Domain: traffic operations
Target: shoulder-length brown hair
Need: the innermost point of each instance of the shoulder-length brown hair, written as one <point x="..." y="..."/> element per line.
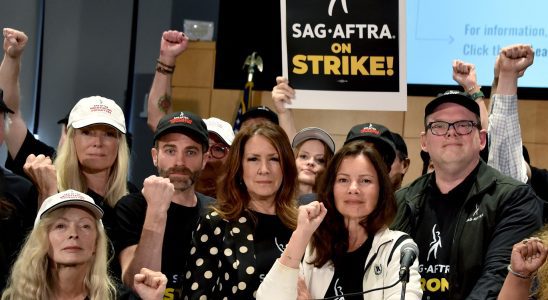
<point x="330" y="241"/>
<point x="232" y="195"/>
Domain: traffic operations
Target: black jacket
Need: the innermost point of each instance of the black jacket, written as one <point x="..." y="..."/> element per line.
<point x="498" y="212"/>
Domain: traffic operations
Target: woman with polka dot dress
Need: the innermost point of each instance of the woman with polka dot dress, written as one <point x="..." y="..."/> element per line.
<point x="236" y="244"/>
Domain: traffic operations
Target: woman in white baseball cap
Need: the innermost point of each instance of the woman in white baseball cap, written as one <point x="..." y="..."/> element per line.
<point x="65" y="255"/>
<point x="95" y="155"/>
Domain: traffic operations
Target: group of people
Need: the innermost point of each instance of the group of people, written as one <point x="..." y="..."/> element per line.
<point x="270" y="212"/>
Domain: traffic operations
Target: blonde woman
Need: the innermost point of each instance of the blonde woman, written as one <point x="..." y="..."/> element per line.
<point x="65" y="255"/>
<point x="93" y="159"/>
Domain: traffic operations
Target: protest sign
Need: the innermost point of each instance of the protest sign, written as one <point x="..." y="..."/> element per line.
<point x="345" y="54"/>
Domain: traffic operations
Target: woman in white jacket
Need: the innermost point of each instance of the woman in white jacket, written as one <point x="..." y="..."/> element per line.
<point x="351" y="249"/>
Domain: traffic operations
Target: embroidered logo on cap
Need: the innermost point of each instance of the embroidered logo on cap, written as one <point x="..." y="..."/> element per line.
<point x="100" y="108"/>
<point x="71" y="196"/>
<point x="451" y="92"/>
<point x="181" y="119"/>
<point x="370" y="129"/>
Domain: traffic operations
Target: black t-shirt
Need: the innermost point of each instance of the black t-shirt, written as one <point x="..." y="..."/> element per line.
<point x="435" y="231"/>
<point x="110" y="224"/>
<point x="348" y="277"/>
<point x="181" y="223"/>
<point x="30" y="146"/>
<point x="270" y="239"/>
<point x="19" y="199"/>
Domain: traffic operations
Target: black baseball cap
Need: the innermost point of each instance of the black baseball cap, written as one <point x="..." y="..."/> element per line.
<point x="3" y="106"/>
<point x="185" y="123"/>
<point x="399" y="143"/>
<point x="376" y="134"/>
<point x="456" y="97"/>
<point x="260" y="111"/>
<point x="64" y="120"/>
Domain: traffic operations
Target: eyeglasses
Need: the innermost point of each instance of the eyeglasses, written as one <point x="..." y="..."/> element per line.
<point x="463" y="127"/>
<point x="218" y="151"/>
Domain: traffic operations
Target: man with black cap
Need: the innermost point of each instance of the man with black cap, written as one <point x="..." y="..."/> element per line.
<point x="465" y="216"/>
<point x="156" y="226"/>
<point x="172" y="44"/>
<point x="401" y="162"/>
<point x="258" y="114"/>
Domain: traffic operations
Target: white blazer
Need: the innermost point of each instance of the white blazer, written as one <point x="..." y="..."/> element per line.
<point x="281" y="281"/>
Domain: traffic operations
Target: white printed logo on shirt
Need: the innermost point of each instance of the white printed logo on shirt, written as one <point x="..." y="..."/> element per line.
<point x="435" y="244"/>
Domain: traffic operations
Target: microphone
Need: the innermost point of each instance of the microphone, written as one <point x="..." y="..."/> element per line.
<point x="409" y="253"/>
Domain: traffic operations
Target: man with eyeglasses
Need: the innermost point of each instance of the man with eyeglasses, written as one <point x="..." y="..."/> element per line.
<point x="465" y="216"/>
<point x="221" y="136"/>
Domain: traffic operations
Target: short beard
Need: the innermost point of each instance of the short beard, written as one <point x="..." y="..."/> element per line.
<point x="180" y="184"/>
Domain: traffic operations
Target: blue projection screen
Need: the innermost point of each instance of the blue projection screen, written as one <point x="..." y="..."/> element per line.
<point x="439" y="31"/>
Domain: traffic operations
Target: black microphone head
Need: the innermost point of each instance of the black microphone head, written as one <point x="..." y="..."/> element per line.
<point x="409" y="252"/>
<point x="410" y="247"/>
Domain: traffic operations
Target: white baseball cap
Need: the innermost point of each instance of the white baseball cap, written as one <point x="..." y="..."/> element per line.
<point x="66" y="198"/>
<point x="221" y="128"/>
<point x="313" y="133"/>
<point x="97" y="110"/>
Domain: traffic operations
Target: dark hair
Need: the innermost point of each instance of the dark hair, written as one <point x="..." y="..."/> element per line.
<point x="330" y="241"/>
<point x="327" y="156"/>
<point x="425" y="157"/>
<point x="401" y="147"/>
<point x="232" y="195"/>
<point x="525" y="154"/>
<point x="7" y="209"/>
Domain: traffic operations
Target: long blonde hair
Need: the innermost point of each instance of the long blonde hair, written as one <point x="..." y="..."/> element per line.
<point x="542" y="274"/>
<point x="69" y="175"/>
<point x="31" y="274"/>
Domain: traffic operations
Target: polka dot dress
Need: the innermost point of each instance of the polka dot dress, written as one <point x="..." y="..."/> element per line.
<point x="222" y="262"/>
